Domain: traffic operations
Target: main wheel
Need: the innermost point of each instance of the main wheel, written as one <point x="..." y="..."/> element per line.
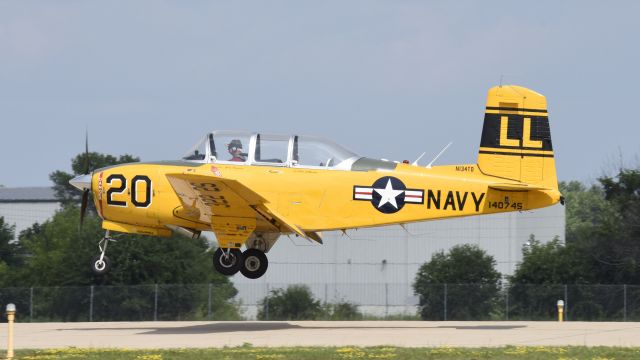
<point x="227" y="265"/>
<point x="254" y="264"/>
<point x="100" y="267"/>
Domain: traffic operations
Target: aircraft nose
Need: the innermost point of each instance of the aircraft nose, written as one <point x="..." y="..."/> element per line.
<point x="81" y="182"/>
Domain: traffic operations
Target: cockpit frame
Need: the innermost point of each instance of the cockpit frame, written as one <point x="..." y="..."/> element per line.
<point x="214" y="151"/>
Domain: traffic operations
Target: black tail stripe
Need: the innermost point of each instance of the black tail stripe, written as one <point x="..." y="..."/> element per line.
<point x="514" y="154"/>
<point x="514" y="109"/>
<point x="516" y="148"/>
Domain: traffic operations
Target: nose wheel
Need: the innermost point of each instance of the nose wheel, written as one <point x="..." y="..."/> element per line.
<point x="101" y="264"/>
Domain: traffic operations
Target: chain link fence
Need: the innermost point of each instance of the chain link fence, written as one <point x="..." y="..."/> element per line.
<point x="372" y="301"/>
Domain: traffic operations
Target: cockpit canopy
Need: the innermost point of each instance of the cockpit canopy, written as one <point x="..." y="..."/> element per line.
<point x="239" y="147"/>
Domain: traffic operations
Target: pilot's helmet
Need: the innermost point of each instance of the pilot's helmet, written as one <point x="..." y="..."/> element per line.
<point x="235" y="143"/>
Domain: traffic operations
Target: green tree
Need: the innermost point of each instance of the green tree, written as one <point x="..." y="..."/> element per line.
<point x="538" y="281"/>
<point x="342" y="310"/>
<point x="586" y="209"/>
<point x="10" y="253"/>
<point x="296" y="302"/>
<point x="552" y="263"/>
<point x="11" y="259"/>
<point x="602" y="247"/>
<point x="616" y="246"/>
<point x="472" y="284"/>
<point x="602" y="226"/>
<point x="592" y="237"/>
<point x="59" y="255"/>
<point x="66" y="193"/>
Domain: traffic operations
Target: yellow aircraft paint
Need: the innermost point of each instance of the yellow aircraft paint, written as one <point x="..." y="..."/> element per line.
<point x="515" y="171"/>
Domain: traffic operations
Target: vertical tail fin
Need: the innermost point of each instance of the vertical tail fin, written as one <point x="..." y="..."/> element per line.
<point x="516" y="139"/>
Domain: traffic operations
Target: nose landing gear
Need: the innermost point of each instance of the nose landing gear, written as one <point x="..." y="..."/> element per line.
<point x="101" y="264"/>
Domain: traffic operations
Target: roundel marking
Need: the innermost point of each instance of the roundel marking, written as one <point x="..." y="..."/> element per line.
<point x="388" y="194"/>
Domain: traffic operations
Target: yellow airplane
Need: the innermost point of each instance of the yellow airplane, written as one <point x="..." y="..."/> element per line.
<point x="250" y="188"/>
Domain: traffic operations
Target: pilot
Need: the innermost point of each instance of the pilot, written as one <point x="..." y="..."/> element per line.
<point x="235" y="149"/>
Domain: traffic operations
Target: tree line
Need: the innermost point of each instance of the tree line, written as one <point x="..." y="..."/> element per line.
<point x="599" y="261"/>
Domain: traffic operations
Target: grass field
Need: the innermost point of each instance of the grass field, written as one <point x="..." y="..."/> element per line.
<point x="257" y="353"/>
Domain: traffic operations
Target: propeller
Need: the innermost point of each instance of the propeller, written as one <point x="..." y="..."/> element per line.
<point x="86" y="191"/>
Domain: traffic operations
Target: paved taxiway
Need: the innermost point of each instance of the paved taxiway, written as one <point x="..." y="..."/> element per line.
<point x="320" y="333"/>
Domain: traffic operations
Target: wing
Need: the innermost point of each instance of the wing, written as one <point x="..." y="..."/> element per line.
<point x="215" y="200"/>
<point x="205" y="196"/>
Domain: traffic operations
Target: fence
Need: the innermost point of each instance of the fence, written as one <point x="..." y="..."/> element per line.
<point x="383" y="301"/>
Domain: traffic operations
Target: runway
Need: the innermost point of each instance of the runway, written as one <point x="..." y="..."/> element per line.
<point x="320" y="333"/>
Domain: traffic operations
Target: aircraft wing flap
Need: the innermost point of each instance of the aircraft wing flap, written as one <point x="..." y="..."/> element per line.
<point x="281" y="222"/>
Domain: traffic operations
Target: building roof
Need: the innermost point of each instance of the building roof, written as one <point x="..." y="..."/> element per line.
<point x="27" y="194"/>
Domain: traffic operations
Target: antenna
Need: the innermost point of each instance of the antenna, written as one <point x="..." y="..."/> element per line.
<point x="437" y="156"/>
<point x="501" y="75"/>
<point x="415" y="163"/>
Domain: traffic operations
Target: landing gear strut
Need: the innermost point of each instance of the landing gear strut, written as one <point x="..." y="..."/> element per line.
<point x="101" y="264"/>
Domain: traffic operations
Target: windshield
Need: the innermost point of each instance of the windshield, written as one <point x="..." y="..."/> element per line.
<point x="198" y="152"/>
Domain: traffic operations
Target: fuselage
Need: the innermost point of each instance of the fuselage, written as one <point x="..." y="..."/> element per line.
<point x="314" y="199"/>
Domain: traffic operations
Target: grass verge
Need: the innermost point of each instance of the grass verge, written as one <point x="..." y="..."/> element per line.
<point x="249" y="352"/>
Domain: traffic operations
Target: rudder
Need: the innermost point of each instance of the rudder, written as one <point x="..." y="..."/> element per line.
<point x="516" y="138"/>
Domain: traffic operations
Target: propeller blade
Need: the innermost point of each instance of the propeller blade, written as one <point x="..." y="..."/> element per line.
<point x="83" y="206"/>
<point x="86" y="153"/>
<point x="83" y="182"/>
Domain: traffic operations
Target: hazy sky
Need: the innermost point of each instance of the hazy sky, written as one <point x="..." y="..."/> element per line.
<point x="387" y="79"/>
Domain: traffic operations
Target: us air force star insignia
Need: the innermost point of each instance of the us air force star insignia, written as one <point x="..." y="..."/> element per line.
<point x="388" y="194"/>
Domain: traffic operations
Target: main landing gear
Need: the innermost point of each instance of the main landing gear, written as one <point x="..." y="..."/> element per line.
<point x="101" y="264"/>
<point x="252" y="263"/>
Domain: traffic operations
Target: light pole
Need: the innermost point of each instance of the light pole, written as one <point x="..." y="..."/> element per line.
<point x="11" y="315"/>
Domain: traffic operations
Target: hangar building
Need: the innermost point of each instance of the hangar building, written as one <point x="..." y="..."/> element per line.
<point x="24" y="206"/>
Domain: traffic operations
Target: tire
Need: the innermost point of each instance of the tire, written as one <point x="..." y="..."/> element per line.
<point x="254" y="263"/>
<point x="100" y="267"/>
<point x="228" y="266"/>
